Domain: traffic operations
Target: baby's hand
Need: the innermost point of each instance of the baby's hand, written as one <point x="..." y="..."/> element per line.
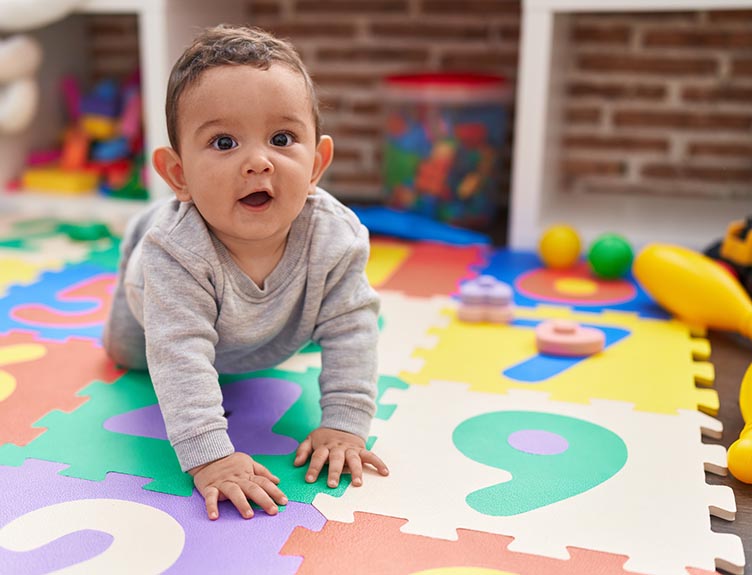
<point x="238" y="478"/>
<point x="339" y="448"/>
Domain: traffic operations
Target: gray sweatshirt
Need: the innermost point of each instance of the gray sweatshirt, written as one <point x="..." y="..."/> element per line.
<point x="202" y="315"/>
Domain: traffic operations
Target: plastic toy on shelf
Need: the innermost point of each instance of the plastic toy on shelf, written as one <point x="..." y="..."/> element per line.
<point x="568" y="338"/>
<point x="102" y="147"/>
<point x="485" y="299"/>
<point x="740" y="452"/>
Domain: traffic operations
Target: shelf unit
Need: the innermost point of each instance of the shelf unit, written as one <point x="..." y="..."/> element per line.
<point x="535" y="203"/>
<point x="165" y="28"/>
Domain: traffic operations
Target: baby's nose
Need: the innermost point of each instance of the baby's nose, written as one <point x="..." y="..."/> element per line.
<point x="258" y="163"/>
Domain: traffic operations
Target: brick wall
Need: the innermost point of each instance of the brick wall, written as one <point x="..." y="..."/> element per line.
<point x="658" y="104"/>
<point x="350" y="46"/>
<point x="113" y="45"/>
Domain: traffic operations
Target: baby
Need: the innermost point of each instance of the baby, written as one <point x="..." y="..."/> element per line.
<point x="247" y="264"/>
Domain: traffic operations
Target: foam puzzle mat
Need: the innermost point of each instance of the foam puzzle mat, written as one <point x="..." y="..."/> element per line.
<point x="503" y="461"/>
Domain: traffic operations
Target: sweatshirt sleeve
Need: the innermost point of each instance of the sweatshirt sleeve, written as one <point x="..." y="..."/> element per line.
<point x="180" y="312"/>
<point x="347" y="330"/>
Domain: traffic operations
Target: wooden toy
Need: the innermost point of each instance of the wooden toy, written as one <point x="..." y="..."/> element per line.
<point x="740" y="452"/>
<point x="485" y="299"/>
<point x="60" y="181"/>
<point x="102" y="101"/>
<point x="130" y="119"/>
<point x="75" y="152"/>
<point x="568" y="338"/>
<point x="72" y="97"/>
<point x="43" y="157"/>
<point x="694" y="288"/>
<point x="610" y="256"/>
<point x="559" y="247"/>
<point x="99" y="127"/>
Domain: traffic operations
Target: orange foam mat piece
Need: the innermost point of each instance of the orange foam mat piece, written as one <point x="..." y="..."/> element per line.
<point x="374" y="545"/>
<point x="45" y="376"/>
<point x="433" y="269"/>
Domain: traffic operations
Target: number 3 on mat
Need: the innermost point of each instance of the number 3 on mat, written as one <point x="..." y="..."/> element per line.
<point x="551" y="458"/>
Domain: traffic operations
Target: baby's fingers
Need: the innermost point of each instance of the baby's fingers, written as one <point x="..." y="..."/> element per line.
<point x="234" y="493"/>
<point x="356" y="467"/>
<point x="336" y="463"/>
<point x="371" y="458"/>
<point x="318" y="460"/>
<point x="270" y="488"/>
<point x="259" y="469"/>
<point x="211" y="496"/>
<point x="260" y="497"/>
<point x="303" y="452"/>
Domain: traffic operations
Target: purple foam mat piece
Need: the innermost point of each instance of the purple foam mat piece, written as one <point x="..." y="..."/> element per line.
<point x="68" y="550"/>
<point x="229" y="545"/>
<point x="253" y="406"/>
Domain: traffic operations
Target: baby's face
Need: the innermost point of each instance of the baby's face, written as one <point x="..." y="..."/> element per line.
<point x="248" y="150"/>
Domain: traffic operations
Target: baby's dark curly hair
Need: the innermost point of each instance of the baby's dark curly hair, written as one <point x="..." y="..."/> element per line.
<point x="225" y="45"/>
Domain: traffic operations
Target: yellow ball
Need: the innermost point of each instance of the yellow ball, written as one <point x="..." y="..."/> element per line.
<point x="559" y="247"/>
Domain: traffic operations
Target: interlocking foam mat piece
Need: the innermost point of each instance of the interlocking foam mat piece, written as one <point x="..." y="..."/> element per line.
<point x="503" y="461"/>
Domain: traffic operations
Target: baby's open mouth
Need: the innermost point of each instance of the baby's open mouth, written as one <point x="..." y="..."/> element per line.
<point x="256" y="199"/>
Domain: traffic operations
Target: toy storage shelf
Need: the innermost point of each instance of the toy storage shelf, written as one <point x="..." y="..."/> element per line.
<point x="165" y="28"/>
<point x="535" y="201"/>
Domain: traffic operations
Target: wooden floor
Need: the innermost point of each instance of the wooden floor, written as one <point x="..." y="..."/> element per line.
<point x="731" y="356"/>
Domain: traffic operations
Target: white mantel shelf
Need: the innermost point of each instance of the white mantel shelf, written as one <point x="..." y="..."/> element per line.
<point x="535" y="203"/>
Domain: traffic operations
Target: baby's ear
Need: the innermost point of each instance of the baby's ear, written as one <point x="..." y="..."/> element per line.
<point x="168" y="165"/>
<point x="324" y="155"/>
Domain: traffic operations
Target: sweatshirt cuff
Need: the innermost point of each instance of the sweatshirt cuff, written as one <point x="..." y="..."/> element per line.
<point x="203" y="448"/>
<point x="345" y="418"/>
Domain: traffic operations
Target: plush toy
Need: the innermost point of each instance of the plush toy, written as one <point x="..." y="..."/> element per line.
<point x="20" y="57"/>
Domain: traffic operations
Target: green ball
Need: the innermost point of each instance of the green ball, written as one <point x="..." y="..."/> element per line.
<point x="610" y="256"/>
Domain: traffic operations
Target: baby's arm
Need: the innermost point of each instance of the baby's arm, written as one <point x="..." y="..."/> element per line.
<point x="180" y="311"/>
<point x="347" y="331"/>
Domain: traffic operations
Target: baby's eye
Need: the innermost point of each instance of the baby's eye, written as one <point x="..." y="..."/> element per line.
<point x="223" y="143"/>
<point x="282" y="139"/>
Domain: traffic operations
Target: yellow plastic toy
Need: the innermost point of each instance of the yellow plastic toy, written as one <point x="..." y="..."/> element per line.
<point x="559" y="247"/>
<point x="694" y="288"/>
<point x="740" y="452"/>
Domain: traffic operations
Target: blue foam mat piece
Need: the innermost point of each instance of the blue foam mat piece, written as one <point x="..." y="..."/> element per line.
<point x="406" y="225"/>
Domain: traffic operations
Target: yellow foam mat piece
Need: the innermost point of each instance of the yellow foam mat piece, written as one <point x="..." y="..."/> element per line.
<point x="384" y="261"/>
<point x="17" y="271"/>
<point x="652" y="368"/>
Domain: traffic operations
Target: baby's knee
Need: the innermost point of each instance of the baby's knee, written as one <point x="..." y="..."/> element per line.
<point x="125" y="357"/>
<point x="125" y="350"/>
